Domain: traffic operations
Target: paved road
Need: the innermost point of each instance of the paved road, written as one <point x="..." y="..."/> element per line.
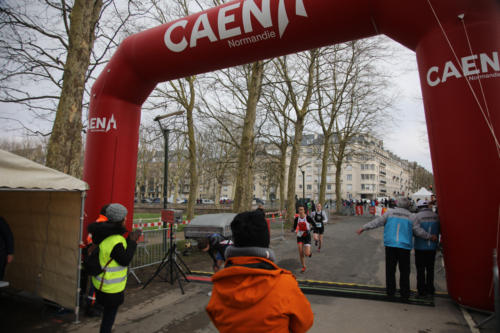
<point x="346" y="257"/>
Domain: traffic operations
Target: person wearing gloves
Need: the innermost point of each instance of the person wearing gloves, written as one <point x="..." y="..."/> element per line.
<point x="399" y="228"/>
<point x="425" y="250"/>
<point x="252" y="294"/>
<point x="115" y="254"/>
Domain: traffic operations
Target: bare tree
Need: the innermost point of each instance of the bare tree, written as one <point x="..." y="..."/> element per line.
<point x="278" y="132"/>
<point x="298" y="73"/>
<point x="47" y="58"/>
<point x="359" y="107"/>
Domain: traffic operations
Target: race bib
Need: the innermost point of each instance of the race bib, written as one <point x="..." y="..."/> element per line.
<point x="319" y="224"/>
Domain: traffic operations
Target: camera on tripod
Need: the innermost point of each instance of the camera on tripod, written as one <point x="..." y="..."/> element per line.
<point x="171" y="260"/>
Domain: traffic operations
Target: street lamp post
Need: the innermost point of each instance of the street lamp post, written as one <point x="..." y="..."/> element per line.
<point x="165" y="131"/>
<point x="303" y="183"/>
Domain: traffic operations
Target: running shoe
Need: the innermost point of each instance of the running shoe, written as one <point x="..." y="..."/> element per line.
<point x="303" y="269"/>
<point x="319" y="250"/>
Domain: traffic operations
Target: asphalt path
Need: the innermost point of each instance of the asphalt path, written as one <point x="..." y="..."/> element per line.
<point x="345" y="257"/>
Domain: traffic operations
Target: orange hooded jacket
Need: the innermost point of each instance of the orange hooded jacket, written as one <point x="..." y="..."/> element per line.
<point x="257" y="300"/>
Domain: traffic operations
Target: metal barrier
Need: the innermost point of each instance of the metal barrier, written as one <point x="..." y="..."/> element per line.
<point x="277" y="223"/>
<point x="151" y="245"/>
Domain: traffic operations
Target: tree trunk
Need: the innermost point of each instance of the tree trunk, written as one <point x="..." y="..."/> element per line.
<point x="338" y="174"/>
<point x="65" y="144"/>
<point x="282" y="172"/>
<point x="244" y="176"/>
<point x="193" y="168"/>
<point x="292" y="171"/>
<point x="324" y="169"/>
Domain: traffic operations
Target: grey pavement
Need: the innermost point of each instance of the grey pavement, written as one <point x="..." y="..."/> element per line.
<point x="345" y="257"/>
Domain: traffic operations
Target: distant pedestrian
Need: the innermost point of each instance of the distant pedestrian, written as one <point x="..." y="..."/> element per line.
<point x="6" y="246"/>
<point x="399" y="227"/>
<point x="425" y="250"/>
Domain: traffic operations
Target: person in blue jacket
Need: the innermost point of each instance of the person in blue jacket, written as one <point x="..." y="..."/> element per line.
<point x="399" y="227"/>
<point x="425" y="250"/>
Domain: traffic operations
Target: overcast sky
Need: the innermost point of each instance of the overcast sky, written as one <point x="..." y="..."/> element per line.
<point x="407" y="137"/>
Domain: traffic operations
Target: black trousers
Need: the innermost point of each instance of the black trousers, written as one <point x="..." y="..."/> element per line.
<point x="395" y="256"/>
<point x="3" y="264"/>
<point x="424" y="260"/>
<point x="108" y="318"/>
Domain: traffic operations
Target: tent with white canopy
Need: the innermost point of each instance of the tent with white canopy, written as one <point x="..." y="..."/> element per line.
<point x="422" y="194"/>
<point x="44" y="209"/>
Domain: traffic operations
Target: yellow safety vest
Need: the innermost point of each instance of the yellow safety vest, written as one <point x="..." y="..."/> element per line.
<point x="114" y="278"/>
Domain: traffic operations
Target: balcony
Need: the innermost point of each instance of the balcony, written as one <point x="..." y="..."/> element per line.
<point x="383" y="182"/>
<point x="382" y="172"/>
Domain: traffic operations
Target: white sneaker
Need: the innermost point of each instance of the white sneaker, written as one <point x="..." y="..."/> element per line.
<point x="210" y="293"/>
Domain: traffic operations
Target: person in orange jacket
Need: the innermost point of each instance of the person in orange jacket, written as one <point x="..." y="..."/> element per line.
<point x="252" y="294"/>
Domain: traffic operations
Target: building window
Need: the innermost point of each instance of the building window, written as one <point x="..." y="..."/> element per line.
<point x="349" y="177"/>
<point x="349" y="187"/>
<point x="309" y="187"/>
<point x="329" y="187"/>
<point x="300" y="186"/>
<point x="348" y="168"/>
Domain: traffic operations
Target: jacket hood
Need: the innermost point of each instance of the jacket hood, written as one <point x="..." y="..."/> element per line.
<point x="100" y="231"/>
<point x="241" y="287"/>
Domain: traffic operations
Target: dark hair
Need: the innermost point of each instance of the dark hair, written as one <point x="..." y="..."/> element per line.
<point x="301" y="205"/>
<point x="250" y="229"/>
<point x="103" y="209"/>
<point x="202" y="243"/>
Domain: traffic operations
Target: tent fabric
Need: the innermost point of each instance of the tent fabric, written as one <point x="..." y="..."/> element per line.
<point x="422" y="194"/>
<point x="46" y="228"/>
<point x="17" y="172"/>
<point x="43" y="208"/>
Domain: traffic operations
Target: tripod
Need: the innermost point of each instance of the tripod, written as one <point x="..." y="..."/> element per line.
<point x="169" y="262"/>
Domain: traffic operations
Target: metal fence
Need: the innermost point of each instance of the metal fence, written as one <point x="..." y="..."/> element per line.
<point x="151" y="245"/>
<point x="276" y="222"/>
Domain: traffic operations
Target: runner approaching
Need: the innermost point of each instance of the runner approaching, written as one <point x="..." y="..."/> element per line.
<point x="303" y="225"/>
<point x="319" y="217"/>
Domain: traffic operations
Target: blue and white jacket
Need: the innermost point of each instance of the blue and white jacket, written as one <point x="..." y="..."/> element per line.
<point x="429" y="221"/>
<point x="399" y="227"/>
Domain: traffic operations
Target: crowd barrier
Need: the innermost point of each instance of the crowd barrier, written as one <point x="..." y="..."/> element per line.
<point x="276" y="224"/>
<point x="152" y="244"/>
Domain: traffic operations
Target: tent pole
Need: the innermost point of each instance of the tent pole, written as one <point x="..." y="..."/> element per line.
<point x="79" y="265"/>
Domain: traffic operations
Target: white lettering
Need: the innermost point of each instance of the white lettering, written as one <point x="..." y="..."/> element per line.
<point x="223" y="20"/>
<point x="485" y="60"/>
<point x="468" y="63"/>
<point x="450" y="70"/>
<point x="111" y="121"/>
<point x="431" y="70"/>
<point x="198" y="33"/>
<point x="101" y="123"/>
<point x="263" y="16"/>
<point x="180" y="46"/>
<point x="92" y="123"/>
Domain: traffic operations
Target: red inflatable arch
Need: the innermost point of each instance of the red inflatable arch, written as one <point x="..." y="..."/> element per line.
<point x="457" y="45"/>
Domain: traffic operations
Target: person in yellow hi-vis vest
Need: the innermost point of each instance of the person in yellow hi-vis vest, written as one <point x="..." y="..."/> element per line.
<point x="115" y="254"/>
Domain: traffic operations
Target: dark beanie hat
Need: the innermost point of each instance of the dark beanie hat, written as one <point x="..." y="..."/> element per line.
<point x="250" y="229"/>
<point x="115" y="212"/>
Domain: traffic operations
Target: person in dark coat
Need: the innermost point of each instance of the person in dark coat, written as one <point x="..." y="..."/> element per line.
<point x="6" y="246"/>
<point x="120" y="255"/>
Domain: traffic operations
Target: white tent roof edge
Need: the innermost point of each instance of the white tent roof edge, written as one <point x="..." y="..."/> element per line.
<point x="19" y="173"/>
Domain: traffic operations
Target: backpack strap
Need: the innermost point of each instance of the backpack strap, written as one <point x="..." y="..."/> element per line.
<point x="104" y="272"/>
